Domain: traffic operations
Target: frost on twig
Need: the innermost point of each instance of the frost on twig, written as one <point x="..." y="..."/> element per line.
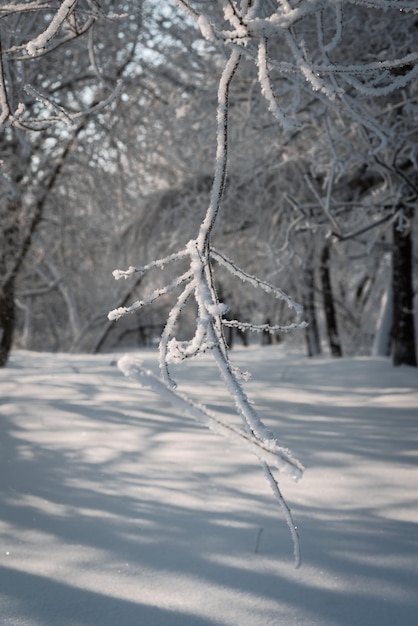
<point x="268" y="450"/>
<point x="42" y="40"/>
<point x="297" y="43"/>
<point x="305" y="43"/>
<point x="55" y="113"/>
<point x="208" y="336"/>
<point x="44" y="26"/>
<point x="197" y="283"/>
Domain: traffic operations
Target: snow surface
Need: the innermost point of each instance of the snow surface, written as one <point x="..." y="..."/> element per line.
<point x="115" y="511"/>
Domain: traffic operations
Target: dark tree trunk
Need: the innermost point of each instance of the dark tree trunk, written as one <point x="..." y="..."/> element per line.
<point x="229" y="336"/>
<point x="383" y="337"/>
<point x="7" y="321"/>
<point x="243" y="335"/>
<point x="329" y="307"/>
<point x="107" y="328"/>
<point x="313" y="342"/>
<point x="266" y="337"/>
<point x="18" y="242"/>
<point x="403" y="331"/>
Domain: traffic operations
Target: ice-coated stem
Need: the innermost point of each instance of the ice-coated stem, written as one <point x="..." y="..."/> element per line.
<point x="287" y="514"/>
<point x="209" y="323"/>
<point x="221" y="150"/>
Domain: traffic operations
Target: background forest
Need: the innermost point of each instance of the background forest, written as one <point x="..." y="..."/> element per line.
<point x="107" y="146"/>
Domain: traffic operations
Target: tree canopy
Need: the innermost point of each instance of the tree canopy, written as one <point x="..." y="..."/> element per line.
<point x="109" y="137"/>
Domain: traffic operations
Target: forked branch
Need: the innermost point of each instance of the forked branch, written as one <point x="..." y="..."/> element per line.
<point x="198" y="283"/>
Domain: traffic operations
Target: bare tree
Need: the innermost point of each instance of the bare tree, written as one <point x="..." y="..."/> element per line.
<point x="53" y="81"/>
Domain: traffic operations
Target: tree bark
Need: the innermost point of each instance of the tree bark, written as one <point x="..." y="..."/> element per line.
<point x="19" y="249"/>
<point x="383" y="336"/>
<point x="107" y="329"/>
<point x="329" y="306"/>
<point x="403" y="330"/>
<point x="7" y="321"/>
<point x="313" y="342"/>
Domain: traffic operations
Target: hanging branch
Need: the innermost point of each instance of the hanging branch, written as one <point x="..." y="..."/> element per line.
<point x="268" y="451"/>
<point x="199" y="284"/>
<point x="244" y="29"/>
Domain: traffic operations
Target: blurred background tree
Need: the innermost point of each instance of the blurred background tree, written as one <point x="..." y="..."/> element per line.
<point x="107" y="159"/>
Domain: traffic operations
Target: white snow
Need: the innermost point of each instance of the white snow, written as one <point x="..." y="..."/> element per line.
<point x="116" y="511"/>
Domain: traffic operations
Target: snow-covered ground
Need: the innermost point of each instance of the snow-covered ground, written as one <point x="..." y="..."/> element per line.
<point x="115" y="511"/>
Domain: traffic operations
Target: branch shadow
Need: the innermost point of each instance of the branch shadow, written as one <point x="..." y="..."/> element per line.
<point x="130" y="508"/>
<point x="41" y="601"/>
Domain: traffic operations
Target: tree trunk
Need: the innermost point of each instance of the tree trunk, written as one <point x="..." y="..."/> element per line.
<point x="403" y="331"/>
<point x="108" y="327"/>
<point x="266" y="337"/>
<point x="329" y="307"/>
<point x="7" y="321"/>
<point x="16" y="251"/>
<point x="383" y="336"/>
<point x="313" y="342"/>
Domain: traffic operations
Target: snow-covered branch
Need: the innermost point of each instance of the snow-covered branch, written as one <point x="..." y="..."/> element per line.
<point x="256" y="282"/>
<point x="208" y="335"/>
<point x="277" y="36"/>
<point x="309" y="46"/>
<point x="42" y="40"/>
<point x="268" y="450"/>
<point x="25" y="45"/>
